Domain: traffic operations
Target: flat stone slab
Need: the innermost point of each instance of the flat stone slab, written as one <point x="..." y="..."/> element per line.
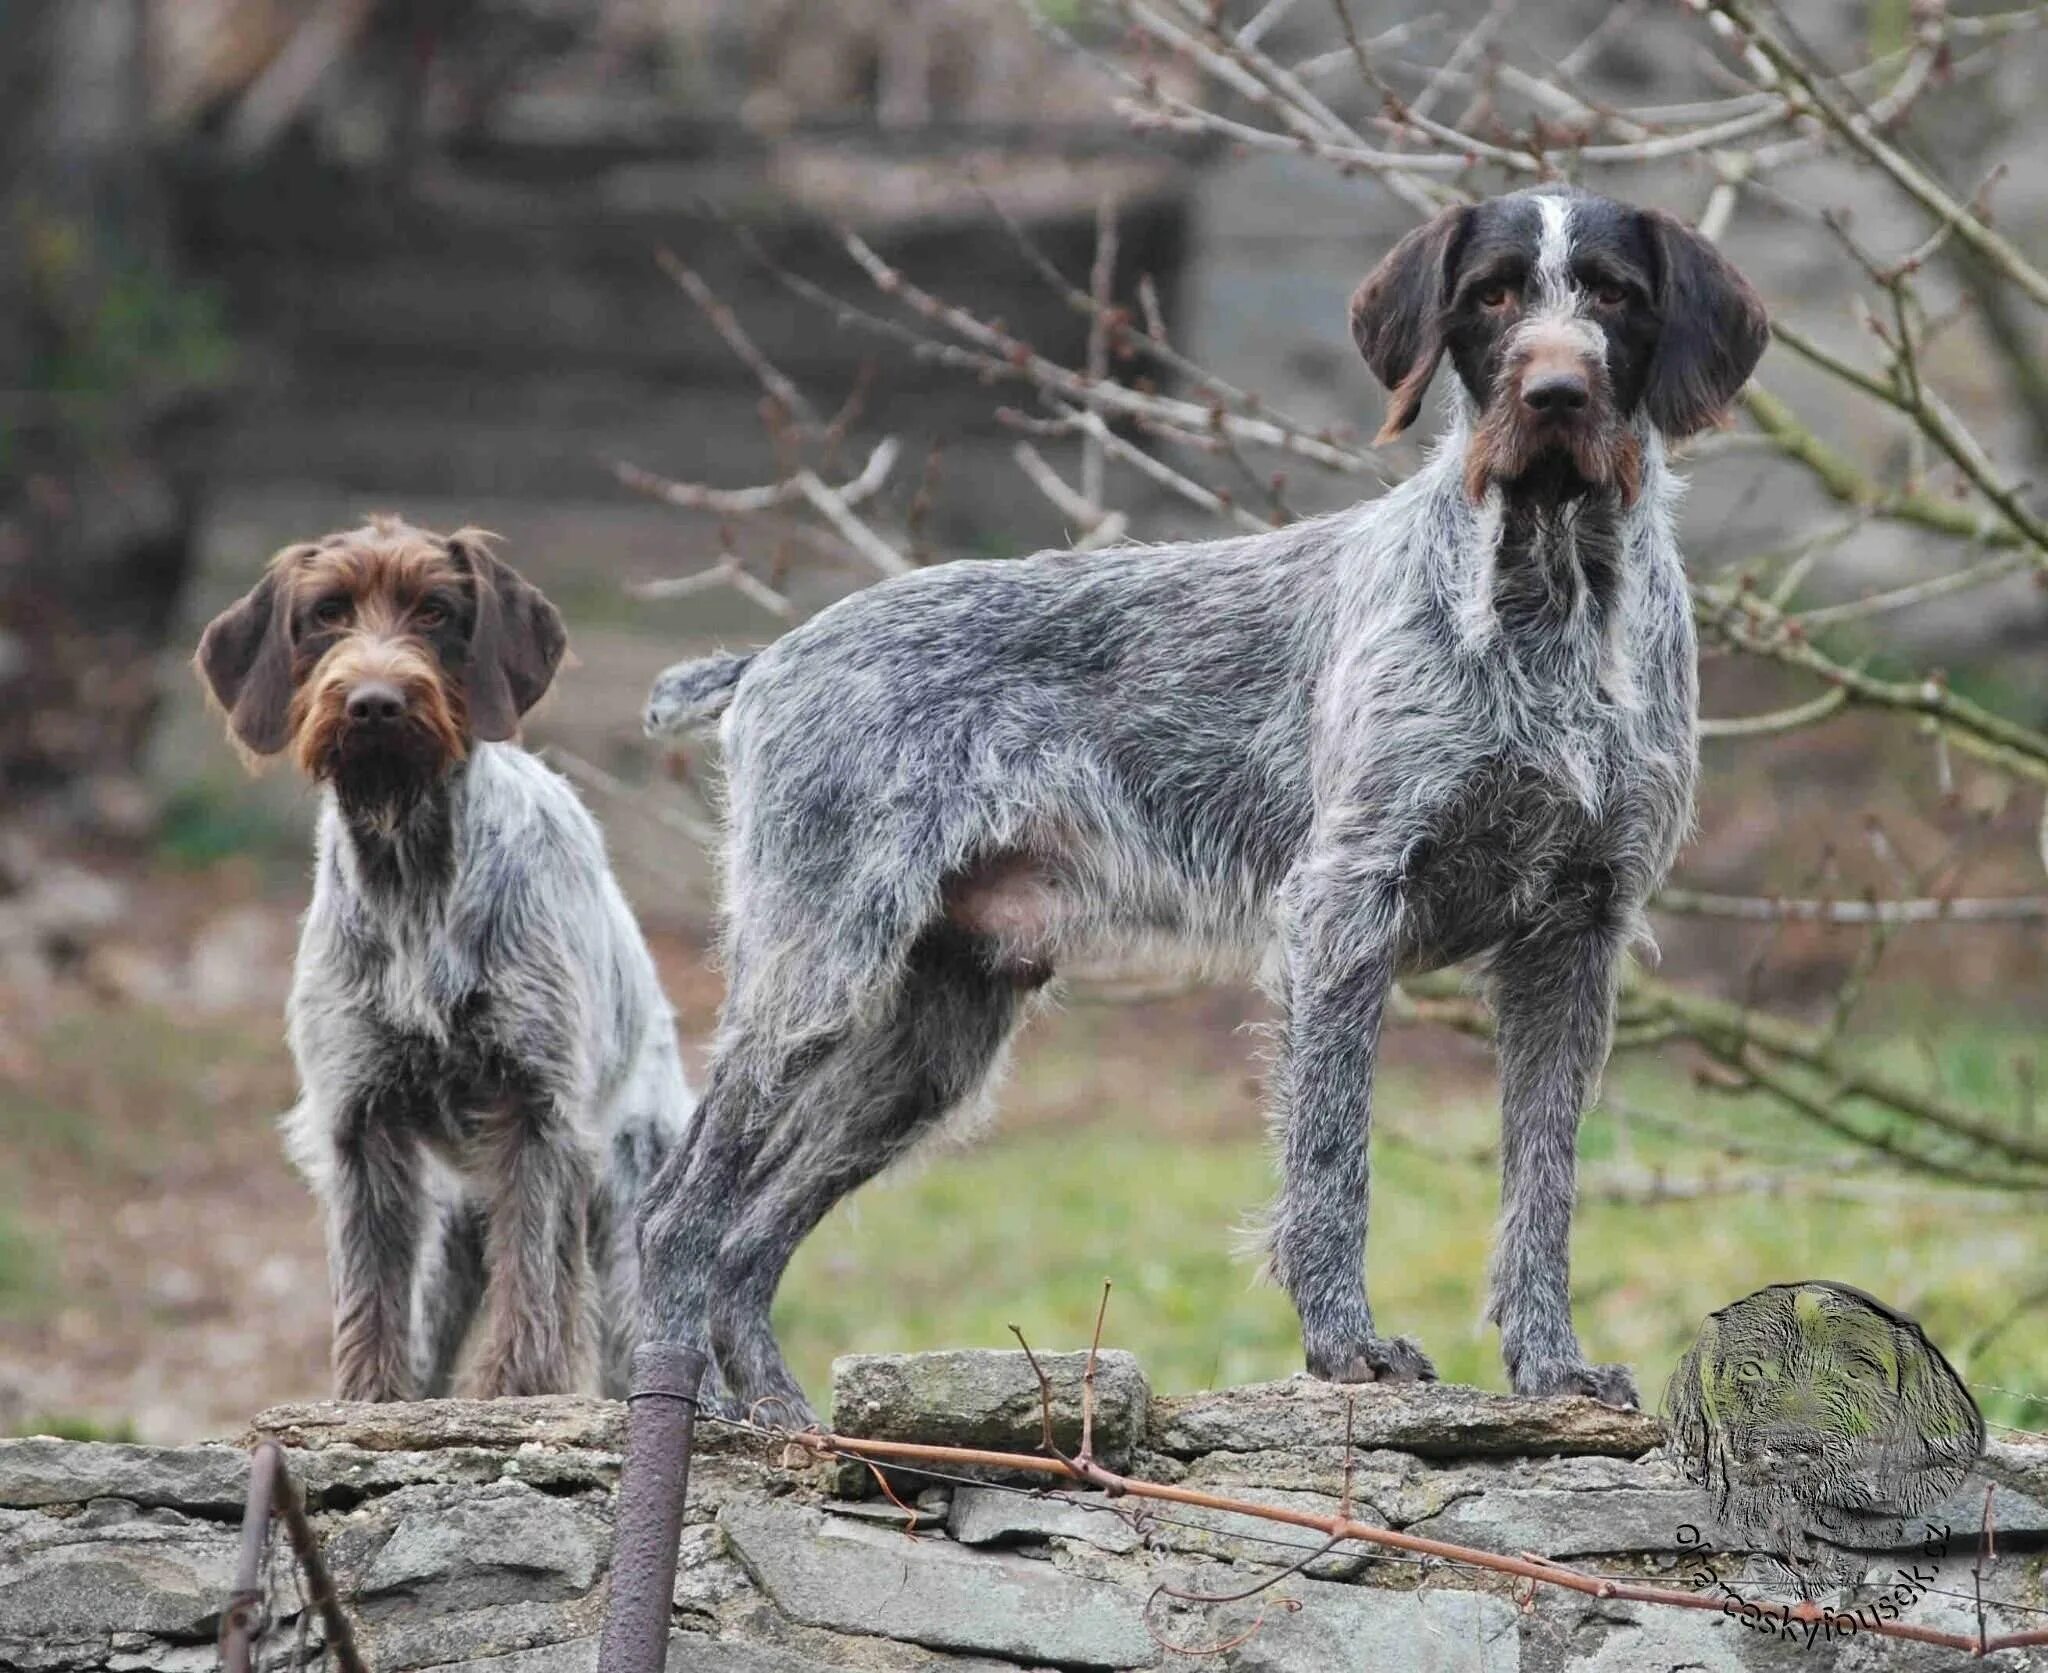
<point x="993" y="1516"/>
<point x="988" y="1398"/>
<point x="428" y="1425"/>
<point x="1352" y="1629"/>
<point x="470" y="1548"/>
<point x="2020" y="1464"/>
<point x="42" y="1470"/>
<point x="1430" y="1419"/>
<point x="1571" y="1523"/>
<point x="82" y="1578"/>
<point x="846" y="1576"/>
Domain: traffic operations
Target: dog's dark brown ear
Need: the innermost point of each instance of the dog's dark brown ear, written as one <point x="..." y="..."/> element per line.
<point x="1397" y="313"/>
<point x="515" y="646"/>
<point x="245" y="658"/>
<point x="1713" y="331"/>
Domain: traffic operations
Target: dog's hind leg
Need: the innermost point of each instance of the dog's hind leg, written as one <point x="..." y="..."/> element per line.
<point x="865" y="1106"/>
<point x="683" y="1213"/>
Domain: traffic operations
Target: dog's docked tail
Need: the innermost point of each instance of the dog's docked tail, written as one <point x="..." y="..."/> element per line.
<point x="691" y="694"/>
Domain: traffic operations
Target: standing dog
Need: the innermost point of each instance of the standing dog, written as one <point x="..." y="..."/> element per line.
<point x="1458" y="722"/>
<point x="488" y="1070"/>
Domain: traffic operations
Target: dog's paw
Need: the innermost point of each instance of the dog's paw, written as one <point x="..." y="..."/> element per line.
<point x="1374" y="1359"/>
<point x="1611" y="1385"/>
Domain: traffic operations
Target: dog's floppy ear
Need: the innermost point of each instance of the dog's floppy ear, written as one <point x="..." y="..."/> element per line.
<point x="245" y="658"/>
<point x="1713" y="332"/>
<point x="1397" y="313"/>
<point x="514" y="647"/>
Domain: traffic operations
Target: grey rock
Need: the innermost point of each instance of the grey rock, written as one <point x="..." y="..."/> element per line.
<point x="988" y="1398"/>
<point x="65" y="1578"/>
<point x="706" y="1574"/>
<point x="42" y="1470"/>
<point x="884" y="1513"/>
<point x="1353" y="1629"/>
<point x="521" y="1424"/>
<point x="1198" y="1531"/>
<point x="443" y="1547"/>
<point x="1563" y="1522"/>
<point x="343" y="1475"/>
<point x="991" y="1516"/>
<point x="429" y="1425"/>
<point x="397" y="1642"/>
<point x="156" y="1657"/>
<point x="847" y="1577"/>
<point x="1589" y="1636"/>
<point x="690" y="1652"/>
<point x="574" y="1655"/>
<point x="1431" y="1419"/>
<point x="2019" y="1465"/>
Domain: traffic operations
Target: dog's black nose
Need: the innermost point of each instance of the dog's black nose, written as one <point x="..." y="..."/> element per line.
<point x="1554" y="394"/>
<point x="375" y="702"/>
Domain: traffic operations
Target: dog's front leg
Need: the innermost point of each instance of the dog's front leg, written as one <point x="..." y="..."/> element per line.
<point x="537" y="1284"/>
<point x="1340" y="948"/>
<point x="375" y="1209"/>
<point x="1554" y="999"/>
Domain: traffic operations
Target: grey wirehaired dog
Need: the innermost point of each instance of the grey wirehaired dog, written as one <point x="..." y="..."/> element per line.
<point x="1458" y="722"/>
<point x="488" y="1070"/>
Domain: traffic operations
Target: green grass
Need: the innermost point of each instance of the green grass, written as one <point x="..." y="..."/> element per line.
<point x="20" y="1268"/>
<point x="78" y="1428"/>
<point x="1023" y="1228"/>
<point x="208" y="821"/>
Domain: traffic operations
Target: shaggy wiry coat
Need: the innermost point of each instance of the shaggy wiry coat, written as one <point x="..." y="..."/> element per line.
<point x="489" y="1078"/>
<point x="488" y="1070"/>
<point x="1454" y="723"/>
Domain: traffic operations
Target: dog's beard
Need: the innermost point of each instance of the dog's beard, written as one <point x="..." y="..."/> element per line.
<point x="381" y="781"/>
<point x="381" y="774"/>
<point x="1556" y="460"/>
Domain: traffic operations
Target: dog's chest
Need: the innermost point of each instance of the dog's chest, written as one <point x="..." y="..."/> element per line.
<point x="1490" y="861"/>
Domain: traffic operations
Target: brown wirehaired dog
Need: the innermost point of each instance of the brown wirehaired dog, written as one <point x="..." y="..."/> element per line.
<point x="488" y="1070"/>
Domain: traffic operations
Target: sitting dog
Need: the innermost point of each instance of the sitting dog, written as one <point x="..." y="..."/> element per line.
<point x="488" y="1070"/>
<point x="1455" y="723"/>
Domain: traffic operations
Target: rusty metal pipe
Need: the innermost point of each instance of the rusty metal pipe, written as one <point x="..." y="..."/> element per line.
<point x="242" y="1618"/>
<point x="272" y="1490"/>
<point x="654" y="1484"/>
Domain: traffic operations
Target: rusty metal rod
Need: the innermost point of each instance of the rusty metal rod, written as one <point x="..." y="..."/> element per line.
<point x="244" y="1614"/>
<point x="272" y="1491"/>
<point x="654" y="1484"/>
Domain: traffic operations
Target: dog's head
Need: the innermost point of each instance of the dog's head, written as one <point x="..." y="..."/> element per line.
<point x="1564" y="315"/>
<point x="378" y="655"/>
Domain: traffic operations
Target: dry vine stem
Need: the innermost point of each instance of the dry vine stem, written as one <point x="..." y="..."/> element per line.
<point x="1339" y="1529"/>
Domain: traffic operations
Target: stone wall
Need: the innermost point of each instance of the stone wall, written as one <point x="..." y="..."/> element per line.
<point x="475" y="1537"/>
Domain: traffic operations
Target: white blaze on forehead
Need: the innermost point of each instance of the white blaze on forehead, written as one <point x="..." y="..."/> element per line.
<point x="1555" y="318"/>
<point x="1554" y="289"/>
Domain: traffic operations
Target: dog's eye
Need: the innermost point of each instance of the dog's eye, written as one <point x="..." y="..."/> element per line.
<point x="1496" y="296"/>
<point x="431" y="614"/>
<point x="331" y="612"/>
<point x="1610" y="296"/>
